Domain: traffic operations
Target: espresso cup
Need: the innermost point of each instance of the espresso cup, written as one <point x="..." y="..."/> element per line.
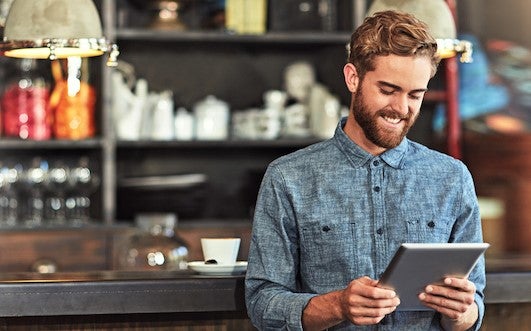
<point x="220" y="250"/>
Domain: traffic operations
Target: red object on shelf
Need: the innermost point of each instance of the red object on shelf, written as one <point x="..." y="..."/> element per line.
<point x="452" y="108"/>
<point x="25" y="109"/>
<point x="452" y="96"/>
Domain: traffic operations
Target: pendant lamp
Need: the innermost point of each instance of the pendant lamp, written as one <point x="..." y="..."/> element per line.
<point x="437" y="15"/>
<point x="55" y="29"/>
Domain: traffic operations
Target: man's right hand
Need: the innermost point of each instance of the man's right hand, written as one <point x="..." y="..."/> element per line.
<point x="362" y="302"/>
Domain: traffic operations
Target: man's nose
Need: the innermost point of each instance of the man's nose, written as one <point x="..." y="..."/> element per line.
<point x="401" y="104"/>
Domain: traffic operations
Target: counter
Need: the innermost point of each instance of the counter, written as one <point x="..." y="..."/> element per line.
<point x="136" y="299"/>
<point x="118" y="292"/>
<point x="122" y="300"/>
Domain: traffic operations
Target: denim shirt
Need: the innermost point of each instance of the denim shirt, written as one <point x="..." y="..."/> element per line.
<point x="331" y="213"/>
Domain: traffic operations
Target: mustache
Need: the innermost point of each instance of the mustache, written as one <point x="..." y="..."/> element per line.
<point x="394" y="114"/>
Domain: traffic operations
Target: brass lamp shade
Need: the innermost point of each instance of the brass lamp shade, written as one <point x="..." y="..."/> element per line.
<point x="439" y="18"/>
<point x="54" y="29"/>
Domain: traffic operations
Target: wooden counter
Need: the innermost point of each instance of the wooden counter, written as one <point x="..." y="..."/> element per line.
<point x="109" y="299"/>
<point x="77" y="298"/>
<point x="124" y="300"/>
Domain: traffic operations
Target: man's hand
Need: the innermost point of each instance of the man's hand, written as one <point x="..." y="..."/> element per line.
<point x="364" y="303"/>
<point x="454" y="300"/>
<point x="361" y="302"/>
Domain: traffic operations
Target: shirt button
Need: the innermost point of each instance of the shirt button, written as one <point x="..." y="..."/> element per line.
<point x="375" y="163"/>
<point x="379" y="231"/>
<point x="377" y="189"/>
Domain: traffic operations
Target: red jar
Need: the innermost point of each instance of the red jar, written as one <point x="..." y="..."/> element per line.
<point x="25" y="103"/>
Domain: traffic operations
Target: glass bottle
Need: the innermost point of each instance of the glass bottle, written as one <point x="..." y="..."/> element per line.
<point x="25" y="103"/>
<point x="156" y="246"/>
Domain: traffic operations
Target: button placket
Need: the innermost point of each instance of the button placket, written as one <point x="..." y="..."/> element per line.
<point x="378" y="222"/>
<point x="375" y="165"/>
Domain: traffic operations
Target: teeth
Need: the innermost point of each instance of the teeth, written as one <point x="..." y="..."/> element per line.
<point x="394" y="120"/>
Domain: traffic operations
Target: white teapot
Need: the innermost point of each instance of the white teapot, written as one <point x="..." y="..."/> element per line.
<point x="211" y="119"/>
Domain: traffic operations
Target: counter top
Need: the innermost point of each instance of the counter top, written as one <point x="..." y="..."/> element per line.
<point x="122" y="292"/>
<point x="118" y="292"/>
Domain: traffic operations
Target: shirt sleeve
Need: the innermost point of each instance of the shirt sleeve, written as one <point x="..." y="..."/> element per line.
<point x="468" y="229"/>
<point x="272" y="298"/>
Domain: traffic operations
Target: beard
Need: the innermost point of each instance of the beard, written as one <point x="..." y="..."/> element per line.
<point x="369" y="123"/>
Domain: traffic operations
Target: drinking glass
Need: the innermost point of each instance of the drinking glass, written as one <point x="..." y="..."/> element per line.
<point x="34" y="180"/>
<point x="56" y="185"/>
<point x="82" y="182"/>
<point x="12" y="177"/>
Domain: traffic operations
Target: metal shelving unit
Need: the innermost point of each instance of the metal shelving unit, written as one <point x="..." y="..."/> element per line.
<point x="132" y="39"/>
<point x="110" y="151"/>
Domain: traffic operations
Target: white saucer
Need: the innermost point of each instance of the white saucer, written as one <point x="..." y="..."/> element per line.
<point x="218" y="270"/>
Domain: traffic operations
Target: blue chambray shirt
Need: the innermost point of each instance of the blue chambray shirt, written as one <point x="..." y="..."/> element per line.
<point x="331" y="213"/>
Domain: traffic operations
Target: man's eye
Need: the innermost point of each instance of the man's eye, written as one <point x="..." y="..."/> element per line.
<point x="385" y="92"/>
<point x="415" y="96"/>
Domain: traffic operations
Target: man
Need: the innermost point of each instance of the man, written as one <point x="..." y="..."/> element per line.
<point x="330" y="217"/>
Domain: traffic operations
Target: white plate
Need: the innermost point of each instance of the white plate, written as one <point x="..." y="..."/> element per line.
<point x="218" y="270"/>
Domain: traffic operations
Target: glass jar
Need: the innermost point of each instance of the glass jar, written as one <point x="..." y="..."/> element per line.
<point x="25" y="103"/>
<point x="155" y="246"/>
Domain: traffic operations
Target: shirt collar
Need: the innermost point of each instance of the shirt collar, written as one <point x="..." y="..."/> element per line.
<point x="393" y="157"/>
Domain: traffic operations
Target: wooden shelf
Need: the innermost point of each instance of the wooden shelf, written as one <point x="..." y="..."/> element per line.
<point x="224" y="37"/>
<point x="18" y="144"/>
<point x="231" y="143"/>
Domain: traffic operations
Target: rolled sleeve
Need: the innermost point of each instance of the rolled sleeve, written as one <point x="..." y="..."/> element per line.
<point x="481" y="312"/>
<point x="272" y="310"/>
<point x="468" y="229"/>
<point x="271" y="280"/>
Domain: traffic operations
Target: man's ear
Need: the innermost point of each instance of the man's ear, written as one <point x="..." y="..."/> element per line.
<point x="351" y="77"/>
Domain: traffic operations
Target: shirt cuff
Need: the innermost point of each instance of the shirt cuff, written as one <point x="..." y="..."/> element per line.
<point x="292" y="311"/>
<point x="481" y="312"/>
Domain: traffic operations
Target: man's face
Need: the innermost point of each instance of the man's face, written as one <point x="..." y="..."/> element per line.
<point x="387" y="101"/>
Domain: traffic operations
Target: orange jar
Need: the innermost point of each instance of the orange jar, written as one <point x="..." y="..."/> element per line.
<point x="72" y="101"/>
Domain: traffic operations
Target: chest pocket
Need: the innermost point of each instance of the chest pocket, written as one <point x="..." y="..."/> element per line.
<point x="435" y="230"/>
<point x="327" y="252"/>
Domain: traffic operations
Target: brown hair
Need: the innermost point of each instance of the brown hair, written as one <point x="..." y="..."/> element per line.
<point x="390" y="32"/>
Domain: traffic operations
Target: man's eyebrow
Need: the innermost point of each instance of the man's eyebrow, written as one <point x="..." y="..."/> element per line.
<point x="398" y="88"/>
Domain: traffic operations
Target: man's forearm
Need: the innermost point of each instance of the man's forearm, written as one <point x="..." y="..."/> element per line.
<point x="322" y="311"/>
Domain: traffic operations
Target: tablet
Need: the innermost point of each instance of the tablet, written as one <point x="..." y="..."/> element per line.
<point x="416" y="265"/>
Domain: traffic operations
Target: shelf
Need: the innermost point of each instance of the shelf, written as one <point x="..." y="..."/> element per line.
<point x="18" y="144"/>
<point x="288" y="143"/>
<point x="235" y="67"/>
<point x="224" y="37"/>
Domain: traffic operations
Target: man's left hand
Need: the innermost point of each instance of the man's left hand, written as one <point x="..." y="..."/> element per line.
<point x="454" y="300"/>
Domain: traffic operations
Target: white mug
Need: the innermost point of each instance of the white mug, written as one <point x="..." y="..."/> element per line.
<point x="220" y="250"/>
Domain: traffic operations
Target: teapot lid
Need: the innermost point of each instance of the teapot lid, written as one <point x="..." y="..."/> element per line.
<point x="210" y="101"/>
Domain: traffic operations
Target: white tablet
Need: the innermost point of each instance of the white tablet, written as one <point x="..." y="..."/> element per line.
<point x="416" y="265"/>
